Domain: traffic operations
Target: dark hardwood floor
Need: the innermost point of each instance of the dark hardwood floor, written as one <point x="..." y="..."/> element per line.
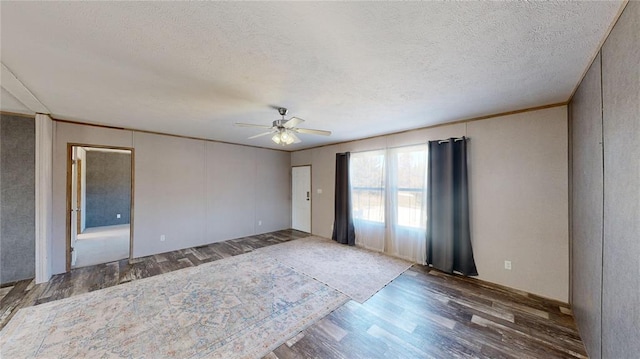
<point x="430" y="314"/>
<point x="421" y="314"/>
<point x="87" y="279"/>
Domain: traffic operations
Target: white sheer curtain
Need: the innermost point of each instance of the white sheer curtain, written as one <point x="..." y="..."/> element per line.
<point x="389" y="200"/>
<point x="367" y="170"/>
<point x="407" y="202"/>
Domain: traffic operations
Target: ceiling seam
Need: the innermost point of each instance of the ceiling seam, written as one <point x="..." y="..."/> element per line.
<point x="21" y="92"/>
<point x="599" y="48"/>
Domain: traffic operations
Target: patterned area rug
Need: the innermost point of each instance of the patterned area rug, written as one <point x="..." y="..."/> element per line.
<point x="356" y="272"/>
<point x="238" y="307"/>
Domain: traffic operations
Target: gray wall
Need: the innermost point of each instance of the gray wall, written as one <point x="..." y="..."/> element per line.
<point x="193" y="192"/>
<point x="519" y="194"/>
<point x="17" y="202"/>
<point x="587" y="207"/>
<point x="108" y="188"/>
<point x="606" y="195"/>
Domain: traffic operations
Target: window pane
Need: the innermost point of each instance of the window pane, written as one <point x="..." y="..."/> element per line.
<point x="367" y="185"/>
<point x="368" y="204"/>
<point x="410" y="212"/>
<point x="410" y="174"/>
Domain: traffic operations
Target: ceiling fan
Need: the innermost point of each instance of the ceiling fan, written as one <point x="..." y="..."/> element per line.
<point x="284" y="130"/>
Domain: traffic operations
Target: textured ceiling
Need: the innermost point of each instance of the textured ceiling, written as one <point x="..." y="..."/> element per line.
<point x="357" y="69"/>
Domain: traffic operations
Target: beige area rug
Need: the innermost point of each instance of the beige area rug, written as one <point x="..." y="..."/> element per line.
<point x="356" y="272"/>
<point x="238" y="307"/>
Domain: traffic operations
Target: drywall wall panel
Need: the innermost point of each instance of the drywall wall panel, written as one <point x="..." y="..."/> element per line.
<point x="273" y="191"/>
<point x="519" y="194"/>
<point x="621" y="128"/>
<point x="17" y="198"/>
<point x="230" y="191"/>
<point x="519" y="191"/>
<point x="587" y="208"/>
<point x="426" y="135"/>
<point x="65" y="133"/>
<point x="323" y="177"/>
<point x="108" y="188"/>
<point x="169" y="200"/>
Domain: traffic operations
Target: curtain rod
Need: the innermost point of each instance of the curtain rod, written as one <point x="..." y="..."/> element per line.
<point x="411" y="145"/>
<point x="454" y="140"/>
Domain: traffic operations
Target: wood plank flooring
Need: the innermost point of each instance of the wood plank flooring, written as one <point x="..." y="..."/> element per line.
<point x="429" y="314"/>
<point x="87" y="279"/>
<point x="421" y="314"/>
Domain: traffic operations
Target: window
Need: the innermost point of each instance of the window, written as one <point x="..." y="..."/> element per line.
<point x="388" y="197"/>
<point x="367" y="185"/>
<point x="410" y="192"/>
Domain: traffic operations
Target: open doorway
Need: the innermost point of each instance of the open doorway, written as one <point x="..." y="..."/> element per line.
<point x="99" y="202"/>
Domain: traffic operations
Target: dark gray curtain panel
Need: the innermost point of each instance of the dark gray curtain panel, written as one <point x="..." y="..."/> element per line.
<point x="343" y="230"/>
<point x="448" y="234"/>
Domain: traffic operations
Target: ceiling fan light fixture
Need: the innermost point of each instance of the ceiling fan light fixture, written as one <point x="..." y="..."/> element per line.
<point x="284" y="131"/>
<point x="283" y="138"/>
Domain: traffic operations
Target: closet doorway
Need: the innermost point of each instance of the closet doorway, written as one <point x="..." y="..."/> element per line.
<point x="99" y="204"/>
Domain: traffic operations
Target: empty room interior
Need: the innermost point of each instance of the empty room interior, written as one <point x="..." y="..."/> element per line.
<point x="320" y="179"/>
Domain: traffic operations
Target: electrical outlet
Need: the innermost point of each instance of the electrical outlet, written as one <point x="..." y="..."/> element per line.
<point x="162" y="238"/>
<point x="507" y="265"/>
<point x="118" y="215"/>
<point x="259" y="223"/>
<point x="319" y="190"/>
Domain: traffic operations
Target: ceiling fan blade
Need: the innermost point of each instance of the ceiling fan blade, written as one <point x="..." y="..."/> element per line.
<point x="293" y="122"/>
<point x="261" y="134"/>
<point x="251" y="125"/>
<point x="313" y="132"/>
<point x="295" y="138"/>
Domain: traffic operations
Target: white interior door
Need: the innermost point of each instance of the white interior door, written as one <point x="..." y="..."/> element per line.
<point x="301" y="198"/>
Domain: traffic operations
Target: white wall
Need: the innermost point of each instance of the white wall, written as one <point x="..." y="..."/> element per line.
<point x="519" y="203"/>
<point x="170" y="194"/>
<point x="519" y="194"/>
<point x="192" y="191"/>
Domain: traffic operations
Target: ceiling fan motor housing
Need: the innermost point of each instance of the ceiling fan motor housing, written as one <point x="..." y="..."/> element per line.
<point x="279" y="123"/>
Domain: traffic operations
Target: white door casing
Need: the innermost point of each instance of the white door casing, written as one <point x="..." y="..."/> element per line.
<point x="74" y="201"/>
<point x="301" y="198"/>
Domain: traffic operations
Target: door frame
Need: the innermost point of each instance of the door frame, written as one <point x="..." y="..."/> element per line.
<point x="310" y="195"/>
<point x="70" y="146"/>
<point x="79" y="196"/>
